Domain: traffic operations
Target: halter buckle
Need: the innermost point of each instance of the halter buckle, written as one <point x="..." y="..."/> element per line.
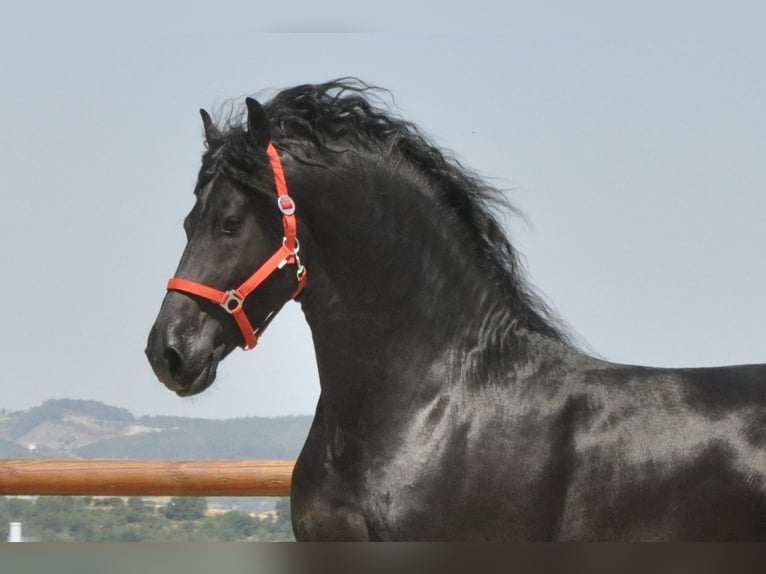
<point x="232" y="302"/>
<point x="286" y="204"/>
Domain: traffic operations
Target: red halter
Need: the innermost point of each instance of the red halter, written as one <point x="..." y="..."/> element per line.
<point x="233" y="300"/>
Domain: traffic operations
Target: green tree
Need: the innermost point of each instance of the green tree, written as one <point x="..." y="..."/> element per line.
<point x="186" y="508"/>
<point x="281" y="529"/>
<point x="136" y="510"/>
<point x="54" y="513"/>
<point x="235" y="525"/>
<point x="58" y="519"/>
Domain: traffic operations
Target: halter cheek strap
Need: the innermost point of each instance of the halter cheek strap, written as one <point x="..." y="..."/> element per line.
<point x="233" y="300"/>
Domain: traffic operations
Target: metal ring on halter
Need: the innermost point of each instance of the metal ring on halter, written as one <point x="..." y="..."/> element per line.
<point x="297" y="247"/>
<point x="288" y="209"/>
<point x="231" y="297"/>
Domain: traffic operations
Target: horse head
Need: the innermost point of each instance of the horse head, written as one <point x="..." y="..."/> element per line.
<point x="241" y="238"/>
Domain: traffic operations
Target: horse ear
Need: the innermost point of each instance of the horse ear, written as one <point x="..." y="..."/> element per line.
<point x="257" y="122"/>
<point x="211" y="132"/>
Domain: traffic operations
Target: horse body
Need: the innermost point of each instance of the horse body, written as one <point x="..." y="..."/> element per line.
<point x="451" y="405"/>
<point x="557" y="446"/>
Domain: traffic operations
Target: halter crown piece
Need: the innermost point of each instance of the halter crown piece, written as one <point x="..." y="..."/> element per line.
<point x="233" y="300"/>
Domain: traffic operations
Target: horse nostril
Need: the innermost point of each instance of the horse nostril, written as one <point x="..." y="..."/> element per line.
<point x="173" y="360"/>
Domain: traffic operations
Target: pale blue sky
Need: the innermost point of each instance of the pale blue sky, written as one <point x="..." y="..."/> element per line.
<point x="631" y="137"/>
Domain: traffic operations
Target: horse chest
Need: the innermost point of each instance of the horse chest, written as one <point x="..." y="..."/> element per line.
<point x="430" y="483"/>
<point x="346" y="489"/>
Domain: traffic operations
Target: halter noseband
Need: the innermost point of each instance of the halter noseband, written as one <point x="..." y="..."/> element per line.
<point x="233" y="300"/>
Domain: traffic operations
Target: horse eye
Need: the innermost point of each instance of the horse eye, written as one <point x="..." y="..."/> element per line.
<point x="231" y="225"/>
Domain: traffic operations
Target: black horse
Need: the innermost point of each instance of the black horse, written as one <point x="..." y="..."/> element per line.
<point x="452" y="406"/>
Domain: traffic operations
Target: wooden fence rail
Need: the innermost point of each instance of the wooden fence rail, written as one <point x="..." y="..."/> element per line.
<point x="146" y="477"/>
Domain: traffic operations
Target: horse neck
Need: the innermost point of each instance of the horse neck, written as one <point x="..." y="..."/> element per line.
<point x="394" y="284"/>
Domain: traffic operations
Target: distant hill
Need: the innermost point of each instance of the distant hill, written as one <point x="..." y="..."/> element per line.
<point x="10" y="449"/>
<point x="65" y="428"/>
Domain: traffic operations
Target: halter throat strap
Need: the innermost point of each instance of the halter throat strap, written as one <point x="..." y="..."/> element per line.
<point x="233" y="300"/>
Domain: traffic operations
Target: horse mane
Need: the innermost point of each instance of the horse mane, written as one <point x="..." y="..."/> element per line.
<point x="315" y="118"/>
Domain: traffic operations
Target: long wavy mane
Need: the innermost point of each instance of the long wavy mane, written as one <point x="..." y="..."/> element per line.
<point x="315" y="119"/>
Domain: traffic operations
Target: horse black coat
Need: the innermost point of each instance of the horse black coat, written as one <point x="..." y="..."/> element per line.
<point x="452" y="406"/>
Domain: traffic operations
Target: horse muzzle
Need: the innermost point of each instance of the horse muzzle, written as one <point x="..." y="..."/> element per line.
<point x="184" y="359"/>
